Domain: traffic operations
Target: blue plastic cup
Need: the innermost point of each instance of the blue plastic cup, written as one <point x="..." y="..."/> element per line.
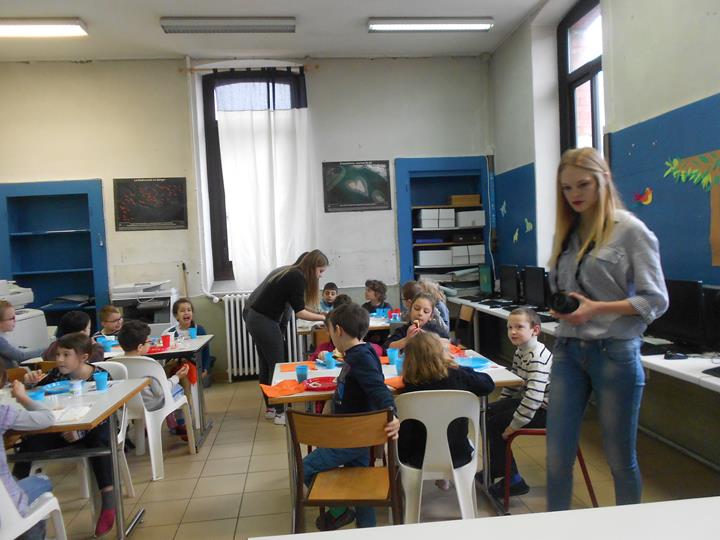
<point x="101" y="380"/>
<point x="399" y="363"/>
<point x="329" y="359"/>
<point x="301" y="372"/>
<point x="393" y="355"/>
<point x="37" y="395"/>
<point x="192" y="332"/>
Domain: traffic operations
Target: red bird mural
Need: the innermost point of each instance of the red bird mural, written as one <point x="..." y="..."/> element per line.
<point x="644" y="198"/>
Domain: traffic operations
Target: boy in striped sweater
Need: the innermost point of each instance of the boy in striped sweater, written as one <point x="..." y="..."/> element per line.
<point x="521" y="407"/>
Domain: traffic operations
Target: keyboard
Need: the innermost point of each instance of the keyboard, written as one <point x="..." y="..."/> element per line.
<point x="649" y="349"/>
<point x="546" y="318"/>
<point x="474" y="298"/>
<point x="715" y="372"/>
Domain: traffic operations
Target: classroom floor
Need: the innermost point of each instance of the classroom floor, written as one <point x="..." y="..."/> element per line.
<point x="237" y="485"/>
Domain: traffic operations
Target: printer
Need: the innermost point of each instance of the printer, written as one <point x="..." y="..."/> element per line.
<point x="148" y="301"/>
<point x="31" y="330"/>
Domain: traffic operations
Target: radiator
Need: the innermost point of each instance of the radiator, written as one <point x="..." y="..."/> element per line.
<point x="242" y="357"/>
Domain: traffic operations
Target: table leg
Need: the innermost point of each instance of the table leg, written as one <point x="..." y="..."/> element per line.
<point x="205" y="425"/>
<point x="476" y="331"/>
<point x="292" y="477"/>
<point x="121" y="533"/>
<point x="497" y="505"/>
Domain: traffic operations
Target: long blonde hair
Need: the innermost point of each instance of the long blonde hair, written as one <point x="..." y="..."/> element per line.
<point x="307" y="266"/>
<point x="426" y="359"/>
<point x="432" y="289"/>
<point x="603" y="221"/>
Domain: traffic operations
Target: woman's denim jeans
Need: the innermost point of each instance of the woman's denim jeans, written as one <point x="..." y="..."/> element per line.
<point x="611" y="369"/>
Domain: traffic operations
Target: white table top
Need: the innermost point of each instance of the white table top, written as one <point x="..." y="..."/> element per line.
<point x="306" y="327"/>
<point x="671" y="520"/>
<point x="101" y="404"/>
<point x="188" y="346"/>
<point x="688" y="370"/>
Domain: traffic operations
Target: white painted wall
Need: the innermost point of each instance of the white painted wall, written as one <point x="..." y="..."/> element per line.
<point x="63" y="120"/>
<point x="512" y="101"/>
<point x="381" y="110"/>
<point x="658" y="55"/>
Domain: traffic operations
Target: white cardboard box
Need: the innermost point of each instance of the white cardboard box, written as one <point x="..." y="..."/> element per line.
<point x="476" y="254"/>
<point x="471" y="218"/>
<point x="429" y="223"/>
<point x="446" y="223"/>
<point x="460" y="255"/>
<point x="434" y="257"/>
<point x="430" y="213"/>
<point x="447" y="213"/>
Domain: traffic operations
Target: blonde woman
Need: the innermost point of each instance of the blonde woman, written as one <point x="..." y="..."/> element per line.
<point x="608" y="261"/>
<point x="297" y="285"/>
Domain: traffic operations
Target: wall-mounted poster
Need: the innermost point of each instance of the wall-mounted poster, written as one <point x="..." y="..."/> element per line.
<point x="147" y="204"/>
<point x="351" y="186"/>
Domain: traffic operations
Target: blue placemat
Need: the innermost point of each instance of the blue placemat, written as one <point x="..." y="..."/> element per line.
<point x="474" y="362"/>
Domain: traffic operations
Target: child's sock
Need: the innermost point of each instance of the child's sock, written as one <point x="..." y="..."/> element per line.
<point x="515" y="478"/>
<point x="108" y="499"/>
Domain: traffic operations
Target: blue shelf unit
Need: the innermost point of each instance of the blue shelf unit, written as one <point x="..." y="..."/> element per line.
<point x="430" y="182"/>
<point x="52" y="239"/>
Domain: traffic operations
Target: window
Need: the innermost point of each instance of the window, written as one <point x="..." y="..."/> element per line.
<point x="582" y="107"/>
<point x="250" y="90"/>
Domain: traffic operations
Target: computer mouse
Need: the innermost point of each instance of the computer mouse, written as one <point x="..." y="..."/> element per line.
<point x="674" y="355"/>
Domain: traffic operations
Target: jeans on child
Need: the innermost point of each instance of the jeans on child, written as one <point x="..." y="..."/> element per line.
<point x="324" y="459"/>
<point x="611" y="369"/>
<point x="34" y="486"/>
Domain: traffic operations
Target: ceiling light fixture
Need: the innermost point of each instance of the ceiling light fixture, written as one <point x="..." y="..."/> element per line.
<point x="42" y="28"/>
<point x="430" y="24"/>
<point x="227" y="25"/>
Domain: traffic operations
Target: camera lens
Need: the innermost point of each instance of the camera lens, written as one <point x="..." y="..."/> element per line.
<point x="563" y="303"/>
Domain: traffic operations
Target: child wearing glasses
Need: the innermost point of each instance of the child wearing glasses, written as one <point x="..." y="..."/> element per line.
<point x="111" y="320"/>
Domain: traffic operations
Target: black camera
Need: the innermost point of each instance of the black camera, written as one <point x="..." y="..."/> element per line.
<point x="563" y="303"/>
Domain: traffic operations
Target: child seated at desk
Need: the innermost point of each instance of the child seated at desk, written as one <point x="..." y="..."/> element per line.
<point x="360" y="388"/>
<point x="31" y="415"/>
<point x="133" y="338"/>
<point x="73" y="351"/>
<point x="429" y="366"/>
<point x="328" y="346"/>
<point x="329" y="294"/>
<point x="10" y="355"/>
<point x="375" y="292"/>
<point x="111" y="321"/>
<point x="183" y="312"/>
<point x="441" y="313"/>
<point x="420" y="314"/>
<point x="71" y="322"/>
<point x="410" y="290"/>
<point x="522" y="407"/>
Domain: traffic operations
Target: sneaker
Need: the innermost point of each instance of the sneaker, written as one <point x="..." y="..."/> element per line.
<point x="279" y="419"/>
<point x="269" y="414"/>
<point x="105" y="522"/>
<point x="325" y="522"/>
<point x="497" y="490"/>
<point x="443" y="485"/>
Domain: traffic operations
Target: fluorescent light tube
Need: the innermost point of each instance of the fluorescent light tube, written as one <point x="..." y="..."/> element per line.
<point x="227" y="25"/>
<point x="42" y="28"/>
<point x="430" y="24"/>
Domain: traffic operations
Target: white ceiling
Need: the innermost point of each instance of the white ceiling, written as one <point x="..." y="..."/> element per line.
<point x="130" y="29"/>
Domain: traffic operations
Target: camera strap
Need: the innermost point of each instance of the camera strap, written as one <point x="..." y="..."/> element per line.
<point x="565" y="245"/>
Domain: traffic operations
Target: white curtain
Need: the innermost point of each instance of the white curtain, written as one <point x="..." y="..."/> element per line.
<point x="268" y="193"/>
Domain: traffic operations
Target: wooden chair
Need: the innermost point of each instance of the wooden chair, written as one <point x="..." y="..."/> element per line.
<point x="464" y="326"/>
<point x="16" y="373"/>
<point x="538" y="432"/>
<point x="356" y="486"/>
<point x="46" y="365"/>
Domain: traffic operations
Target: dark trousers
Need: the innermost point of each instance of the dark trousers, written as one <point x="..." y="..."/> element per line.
<point x="500" y="414"/>
<point x="95" y="438"/>
<point x="269" y="344"/>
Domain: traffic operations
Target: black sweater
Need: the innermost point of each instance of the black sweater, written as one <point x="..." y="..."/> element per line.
<point x="372" y="309"/>
<point x="401" y="332"/>
<point x="275" y="294"/>
<point x="361" y="383"/>
<point x="411" y="446"/>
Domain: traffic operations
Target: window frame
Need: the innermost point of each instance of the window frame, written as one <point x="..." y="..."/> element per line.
<point x="567" y="82"/>
<point x="222" y="266"/>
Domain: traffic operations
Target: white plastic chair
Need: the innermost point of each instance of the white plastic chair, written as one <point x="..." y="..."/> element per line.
<point x="12" y="524"/>
<point x="436" y="409"/>
<point x="140" y="368"/>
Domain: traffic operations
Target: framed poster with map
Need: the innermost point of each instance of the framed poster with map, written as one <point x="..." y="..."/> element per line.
<point x="148" y="204"/>
<point x="351" y="186"/>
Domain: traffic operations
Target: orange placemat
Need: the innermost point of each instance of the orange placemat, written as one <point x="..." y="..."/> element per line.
<point x="396" y="382"/>
<point x="456" y="351"/>
<point x="384" y="360"/>
<point x="283" y="388"/>
<point x="286" y="368"/>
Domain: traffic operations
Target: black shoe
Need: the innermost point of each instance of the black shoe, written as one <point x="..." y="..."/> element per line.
<point x="479" y="477"/>
<point x="497" y="490"/>
<point x="326" y="522"/>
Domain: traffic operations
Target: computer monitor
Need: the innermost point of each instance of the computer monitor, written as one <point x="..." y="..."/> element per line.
<point x="535" y="277"/>
<point x="683" y="322"/>
<point x="509" y="282"/>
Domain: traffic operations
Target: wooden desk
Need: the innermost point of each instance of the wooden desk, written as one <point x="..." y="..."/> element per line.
<point x="671" y="520"/>
<point x="103" y="406"/>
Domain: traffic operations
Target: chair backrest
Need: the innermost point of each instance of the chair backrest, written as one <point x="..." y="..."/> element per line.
<point x="16" y="373"/>
<point x="141" y="367"/>
<point x="118" y="372"/>
<point x="436" y="409"/>
<point x="46" y="365"/>
<point x="339" y="430"/>
<point x="10" y="513"/>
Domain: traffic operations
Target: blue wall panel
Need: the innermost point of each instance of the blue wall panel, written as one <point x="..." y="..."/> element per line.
<point x="516" y="217"/>
<point x="680" y="213"/>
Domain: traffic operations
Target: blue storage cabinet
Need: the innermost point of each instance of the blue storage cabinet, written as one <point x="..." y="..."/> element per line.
<point x="52" y="239"/>
<point x="428" y="183"/>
